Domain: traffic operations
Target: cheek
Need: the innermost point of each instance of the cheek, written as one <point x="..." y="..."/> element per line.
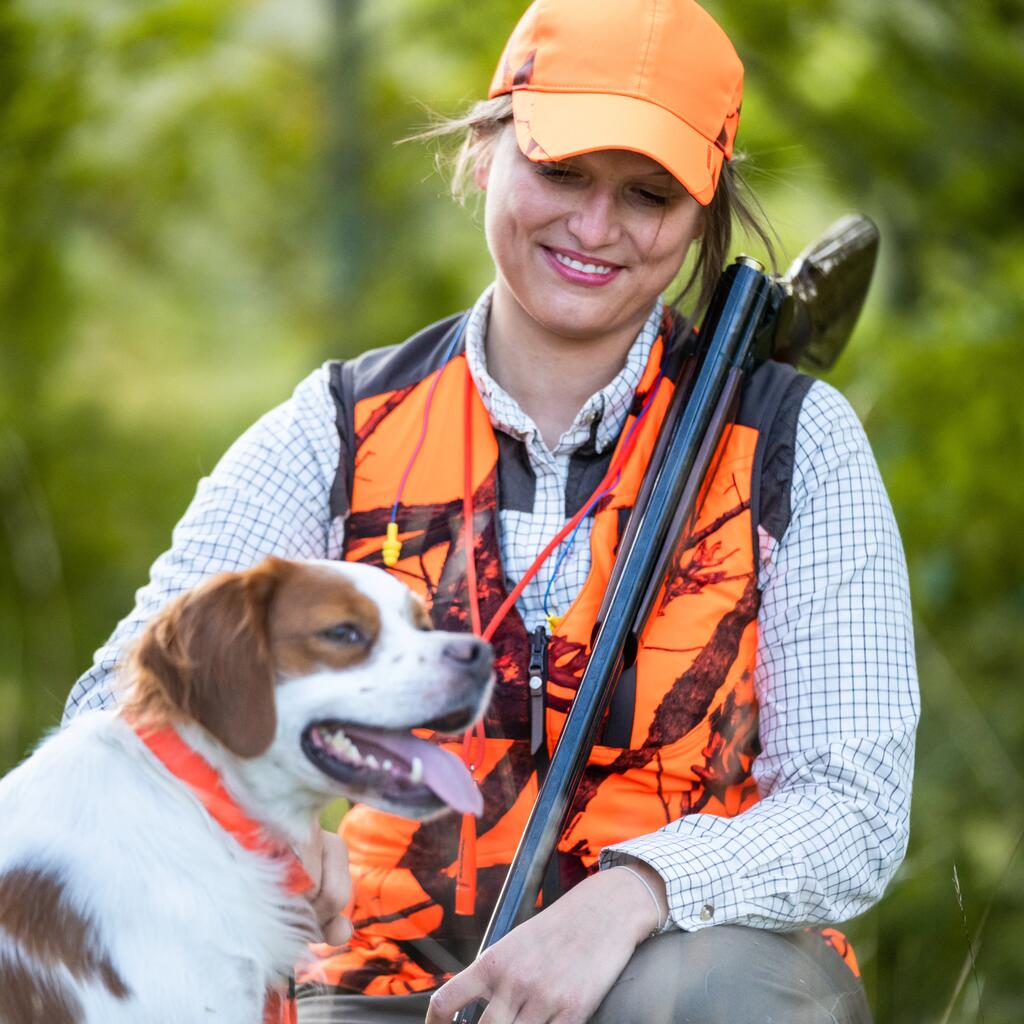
<point x="665" y="242"/>
<point x="515" y="209"/>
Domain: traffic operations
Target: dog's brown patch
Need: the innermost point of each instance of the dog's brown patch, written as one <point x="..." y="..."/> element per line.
<point x="28" y="998"/>
<point x="37" y="917"/>
<point x="309" y="602"/>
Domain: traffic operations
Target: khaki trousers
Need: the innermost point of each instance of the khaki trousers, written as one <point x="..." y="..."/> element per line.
<point x="720" y="975"/>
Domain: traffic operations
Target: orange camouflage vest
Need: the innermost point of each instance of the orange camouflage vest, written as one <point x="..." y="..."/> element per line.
<point x="683" y="727"/>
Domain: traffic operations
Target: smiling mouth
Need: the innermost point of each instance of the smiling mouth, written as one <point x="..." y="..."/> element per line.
<point x="413" y="773"/>
<point x="580" y="271"/>
<point x="586" y="268"/>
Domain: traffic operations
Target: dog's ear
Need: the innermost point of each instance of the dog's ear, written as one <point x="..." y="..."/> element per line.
<point x="208" y="656"/>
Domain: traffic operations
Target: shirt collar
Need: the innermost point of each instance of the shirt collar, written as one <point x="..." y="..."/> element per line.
<point x="607" y="408"/>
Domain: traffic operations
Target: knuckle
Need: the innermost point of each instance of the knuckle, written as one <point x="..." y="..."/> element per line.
<point x="439" y="1002"/>
<point x="490" y="961"/>
<point x="571" y="1008"/>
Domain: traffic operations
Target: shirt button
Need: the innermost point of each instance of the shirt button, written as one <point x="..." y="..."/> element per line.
<point x="707" y="912"/>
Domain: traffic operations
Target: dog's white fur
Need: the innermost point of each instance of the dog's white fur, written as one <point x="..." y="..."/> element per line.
<point x="197" y="927"/>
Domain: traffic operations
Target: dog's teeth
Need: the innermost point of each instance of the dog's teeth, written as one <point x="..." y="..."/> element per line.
<point x="416" y="774"/>
<point x="388" y="765"/>
<point x="343" y="747"/>
<point x="371" y="761"/>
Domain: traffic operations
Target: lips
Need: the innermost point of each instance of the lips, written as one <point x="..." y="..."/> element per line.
<point x="580" y="268"/>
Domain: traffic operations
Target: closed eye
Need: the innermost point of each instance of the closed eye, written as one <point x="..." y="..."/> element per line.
<point x="345" y="633"/>
<point x="652" y="198"/>
<point x="555" y="172"/>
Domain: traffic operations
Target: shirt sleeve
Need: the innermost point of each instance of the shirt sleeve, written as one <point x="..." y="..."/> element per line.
<point x="268" y="495"/>
<point x="837" y="687"/>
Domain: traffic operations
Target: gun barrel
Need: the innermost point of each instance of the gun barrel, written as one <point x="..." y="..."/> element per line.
<point x="730" y="327"/>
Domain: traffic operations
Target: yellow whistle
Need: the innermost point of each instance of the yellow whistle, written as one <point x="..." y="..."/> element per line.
<point x="553" y="621"/>
<point x="392" y="546"/>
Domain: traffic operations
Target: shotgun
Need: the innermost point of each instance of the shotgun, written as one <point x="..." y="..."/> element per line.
<point x="804" y="316"/>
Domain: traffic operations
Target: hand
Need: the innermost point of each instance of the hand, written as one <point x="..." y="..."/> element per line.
<point x="325" y="859"/>
<point x="559" y="965"/>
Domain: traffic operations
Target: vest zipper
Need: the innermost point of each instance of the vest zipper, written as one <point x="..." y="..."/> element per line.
<point x="538" y="677"/>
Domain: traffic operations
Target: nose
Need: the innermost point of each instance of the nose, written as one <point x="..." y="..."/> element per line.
<point x="594" y="222"/>
<point x="468" y="654"/>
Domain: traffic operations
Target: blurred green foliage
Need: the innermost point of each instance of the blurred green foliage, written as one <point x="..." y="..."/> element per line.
<point x="199" y="201"/>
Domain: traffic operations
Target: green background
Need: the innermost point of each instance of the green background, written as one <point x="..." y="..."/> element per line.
<point x="200" y="201"/>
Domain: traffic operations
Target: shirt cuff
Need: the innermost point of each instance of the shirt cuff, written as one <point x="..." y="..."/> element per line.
<point x="711" y="896"/>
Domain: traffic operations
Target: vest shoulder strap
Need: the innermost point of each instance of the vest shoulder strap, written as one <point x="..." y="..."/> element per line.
<point x="374" y="373"/>
<point x="771" y="404"/>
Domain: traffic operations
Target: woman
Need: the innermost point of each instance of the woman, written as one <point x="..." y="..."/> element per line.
<point x="754" y="773"/>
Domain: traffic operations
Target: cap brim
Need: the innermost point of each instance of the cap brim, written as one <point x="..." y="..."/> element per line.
<point x="558" y="125"/>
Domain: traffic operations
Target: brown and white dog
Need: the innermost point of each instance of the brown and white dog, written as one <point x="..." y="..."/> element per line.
<point x="121" y="900"/>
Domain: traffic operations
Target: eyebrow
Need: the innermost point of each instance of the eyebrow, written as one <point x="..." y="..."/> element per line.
<point x="566" y="162"/>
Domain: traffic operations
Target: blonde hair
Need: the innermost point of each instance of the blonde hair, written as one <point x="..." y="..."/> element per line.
<point x="733" y="203"/>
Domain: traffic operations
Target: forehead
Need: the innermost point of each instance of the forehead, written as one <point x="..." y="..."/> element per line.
<point x="318" y="595"/>
<point x="375" y="584"/>
<point x="618" y="161"/>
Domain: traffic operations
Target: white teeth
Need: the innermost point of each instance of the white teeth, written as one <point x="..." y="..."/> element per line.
<point x="587" y="268"/>
<point x="342" y="746"/>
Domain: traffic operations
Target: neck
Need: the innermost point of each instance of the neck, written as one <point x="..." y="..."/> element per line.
<point x="549" y="376"/>
<point x="281" y="808"/>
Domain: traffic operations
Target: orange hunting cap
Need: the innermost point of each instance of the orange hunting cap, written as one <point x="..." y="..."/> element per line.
<point x="658" y="77"/>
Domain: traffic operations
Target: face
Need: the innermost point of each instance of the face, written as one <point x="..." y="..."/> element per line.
<point x="358" y="667"/>
<point x="583" y="247"/>
<point x="314" y="674"/>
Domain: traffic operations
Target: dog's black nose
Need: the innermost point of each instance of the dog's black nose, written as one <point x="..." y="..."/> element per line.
<point x="468" y="653"/>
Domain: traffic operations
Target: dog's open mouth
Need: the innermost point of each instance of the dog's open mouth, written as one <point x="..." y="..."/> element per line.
<point x="400" y="767"/>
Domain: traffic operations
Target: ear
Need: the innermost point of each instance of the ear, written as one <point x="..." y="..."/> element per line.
<point x="208" y="655"/>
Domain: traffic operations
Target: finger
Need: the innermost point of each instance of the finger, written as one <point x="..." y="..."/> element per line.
<point x="337" y="931"/>
<point x="451" y="997"/>
<point x="511" y="1007"/>
<point x="566" y="1018"/>
<point x="502" y="1009"/>
<point x="310" y="852"/>
<point x="570" y="1016"/>
<point x="335" y="882"/>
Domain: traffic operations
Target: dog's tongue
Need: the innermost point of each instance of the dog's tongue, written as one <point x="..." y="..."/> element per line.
<point x="443" y="772"/>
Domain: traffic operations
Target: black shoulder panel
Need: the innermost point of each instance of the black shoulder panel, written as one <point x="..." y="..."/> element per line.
<point x="681" y="342"/>
<point x="373" y="373"/>
<point x="341" y="488"/>
<point x="398" y="366"/>
<point x="517" y="483"/>
<point x="771" y="405"/>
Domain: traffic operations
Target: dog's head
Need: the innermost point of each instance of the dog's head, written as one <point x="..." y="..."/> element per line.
<point x="326" y="667"/>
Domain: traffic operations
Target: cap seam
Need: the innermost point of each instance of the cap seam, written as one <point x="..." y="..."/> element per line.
<point x="647" y="48"/>
<point x="593" y="90"/>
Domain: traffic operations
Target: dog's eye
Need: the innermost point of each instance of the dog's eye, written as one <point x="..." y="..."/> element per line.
<point x="344" y="633"/>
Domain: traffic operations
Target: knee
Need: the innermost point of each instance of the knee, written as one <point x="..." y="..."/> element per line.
<point x="729" y="975"/>
<point x="665" y="982"/>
